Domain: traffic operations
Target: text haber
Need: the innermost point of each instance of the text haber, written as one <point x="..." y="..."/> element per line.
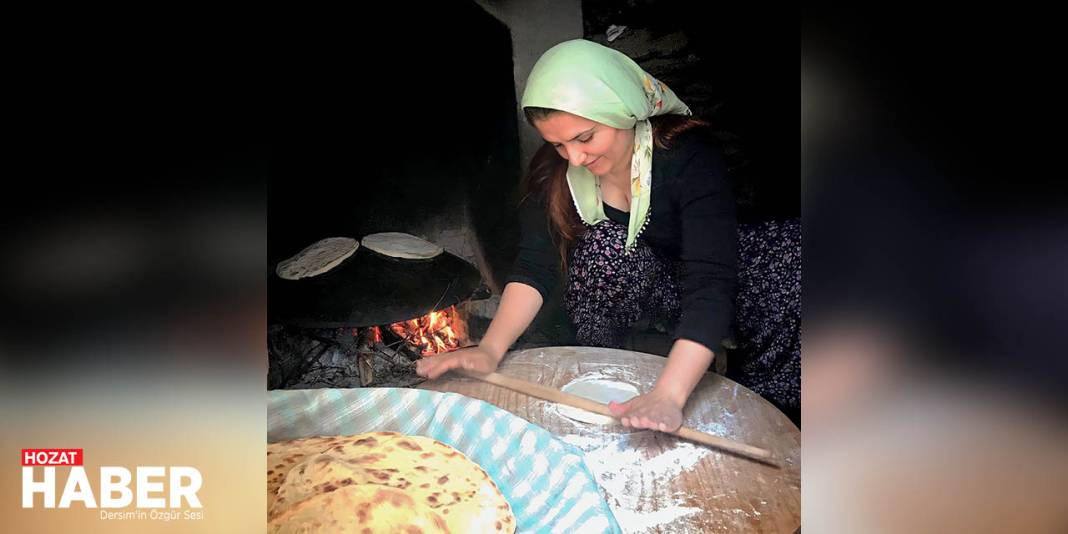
<point x="183" y="482"/>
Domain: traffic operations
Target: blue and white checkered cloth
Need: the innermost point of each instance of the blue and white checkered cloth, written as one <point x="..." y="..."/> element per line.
<point x="545" y="480"/>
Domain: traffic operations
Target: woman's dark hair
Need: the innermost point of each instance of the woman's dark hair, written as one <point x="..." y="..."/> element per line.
<point x="547" y="175"/>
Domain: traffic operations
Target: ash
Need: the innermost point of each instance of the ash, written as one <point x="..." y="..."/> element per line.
<point x="301" y="358"/>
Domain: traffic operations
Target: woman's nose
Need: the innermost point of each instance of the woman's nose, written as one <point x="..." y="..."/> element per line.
<point x="575" y="156"/>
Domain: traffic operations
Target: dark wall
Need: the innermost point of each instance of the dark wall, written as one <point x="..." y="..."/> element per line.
<point x="737" y="66"/>
<point x="384" y="136"/>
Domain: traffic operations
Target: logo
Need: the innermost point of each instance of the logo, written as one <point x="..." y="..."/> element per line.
<point x="168" y="491"/>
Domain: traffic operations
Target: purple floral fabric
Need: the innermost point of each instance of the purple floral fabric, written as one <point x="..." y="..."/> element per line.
<point x="608" y="292"/>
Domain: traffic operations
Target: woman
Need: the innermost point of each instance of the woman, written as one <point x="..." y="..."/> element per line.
<point x="640" y="218"/>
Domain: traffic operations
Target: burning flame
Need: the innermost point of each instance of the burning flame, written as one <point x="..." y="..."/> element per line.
<point x="436" y="332"/>
<point x="376" y="335"/>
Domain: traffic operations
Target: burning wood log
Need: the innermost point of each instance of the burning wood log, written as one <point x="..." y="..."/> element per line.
<point x="433" y="333"/>
<point x="361" y="357"/>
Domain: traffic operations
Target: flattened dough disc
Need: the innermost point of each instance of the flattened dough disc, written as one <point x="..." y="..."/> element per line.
<point x="600" y="390"/>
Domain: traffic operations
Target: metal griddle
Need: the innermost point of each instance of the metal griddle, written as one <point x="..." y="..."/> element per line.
<point x="370" y="289"/>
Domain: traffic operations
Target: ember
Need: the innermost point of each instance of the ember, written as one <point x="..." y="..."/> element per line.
<point x="372" y="356"/>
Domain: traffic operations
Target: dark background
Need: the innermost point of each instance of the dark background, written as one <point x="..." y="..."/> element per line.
<point x="144" y="151"/>
<point x="734" y="64"/>
<point x="384" y="135"/>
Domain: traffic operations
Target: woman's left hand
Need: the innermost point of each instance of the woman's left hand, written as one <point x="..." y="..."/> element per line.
<point x="655" y="410"/>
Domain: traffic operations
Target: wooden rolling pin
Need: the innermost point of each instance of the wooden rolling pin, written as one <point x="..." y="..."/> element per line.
<point x="553" y="395"/>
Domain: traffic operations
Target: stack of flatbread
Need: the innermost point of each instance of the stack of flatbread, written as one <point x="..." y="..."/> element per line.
<point x="380" y="482"/>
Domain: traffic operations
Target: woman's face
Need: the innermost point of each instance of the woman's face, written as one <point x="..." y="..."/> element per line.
<point x="600" y="148"/>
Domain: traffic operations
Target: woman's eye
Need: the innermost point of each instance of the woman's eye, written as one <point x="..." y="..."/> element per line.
<point x="586" y="140"/>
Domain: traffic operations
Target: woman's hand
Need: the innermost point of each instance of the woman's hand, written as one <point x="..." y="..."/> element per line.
<point x="661" y="408"/>
<point x="657" y="410"/>
<point x="477" y="359"/>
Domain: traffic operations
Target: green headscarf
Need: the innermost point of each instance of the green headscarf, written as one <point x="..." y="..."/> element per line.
<point x="603" y="85"/>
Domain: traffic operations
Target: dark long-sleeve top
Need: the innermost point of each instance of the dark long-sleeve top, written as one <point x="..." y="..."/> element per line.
<point x="691" y="220"/>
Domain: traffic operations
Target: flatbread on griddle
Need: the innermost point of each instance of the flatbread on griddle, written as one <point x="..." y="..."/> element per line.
<point x="400" y="245"/>
<point x="318" y="258"/>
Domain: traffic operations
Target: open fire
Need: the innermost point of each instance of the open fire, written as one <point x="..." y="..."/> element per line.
<point x="375" y="356"/>
<point x="434" y="333"/>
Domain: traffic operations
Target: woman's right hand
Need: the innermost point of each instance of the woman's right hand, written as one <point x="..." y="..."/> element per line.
<point x="477" y="359"/>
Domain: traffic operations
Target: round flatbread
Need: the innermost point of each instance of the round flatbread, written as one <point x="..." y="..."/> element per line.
<point x="599" y="390"/>
<point x="380" y="482"/>
<point x="317" y="259"/>
<point x="400" y="245"/>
